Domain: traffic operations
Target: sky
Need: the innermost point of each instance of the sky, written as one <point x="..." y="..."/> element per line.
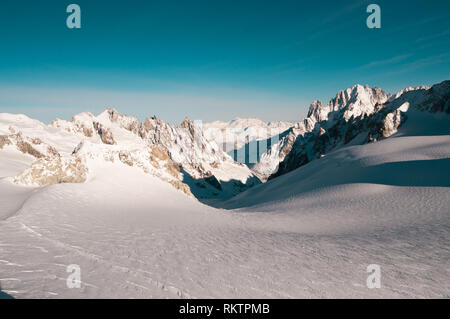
<point x="212" y="60"/>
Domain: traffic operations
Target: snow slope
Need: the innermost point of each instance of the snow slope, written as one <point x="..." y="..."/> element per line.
<point x="356" y="116"/>
<point x="406" y="161"/>
<point x="64" y="152"/>
<point x="309" y="233"/>
<point x="12" y="196"/>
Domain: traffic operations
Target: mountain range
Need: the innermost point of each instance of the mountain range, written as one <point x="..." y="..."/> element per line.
<point x="152" y="210"/>
<point x="193" y="156"/>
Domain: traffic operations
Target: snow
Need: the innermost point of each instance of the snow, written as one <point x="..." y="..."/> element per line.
<point x="309" y="233"/>
<point x="357" y="115"/>
<point x="400" y="161"/>
<point x="12" y="196"/>
<point x="13" y="161"/>
<point x="238" y="132"/>
<point x="62" y="140"/>
<point x="110" y="136"/>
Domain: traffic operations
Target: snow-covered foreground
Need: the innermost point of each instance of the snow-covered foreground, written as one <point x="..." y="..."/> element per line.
<point x="309" y="233"/>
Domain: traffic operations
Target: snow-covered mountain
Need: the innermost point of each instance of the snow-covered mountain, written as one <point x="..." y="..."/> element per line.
<point x="72" y="151"/>
<point x="134" y="235"/>
<point x="233" y="135"/>
<point x="357" y="115"/>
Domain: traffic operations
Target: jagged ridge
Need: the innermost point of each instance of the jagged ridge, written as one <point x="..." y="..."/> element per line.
<point x="358" y="115"/>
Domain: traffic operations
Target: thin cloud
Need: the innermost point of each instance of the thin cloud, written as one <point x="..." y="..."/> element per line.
<point x="345" y="10"/>
<point x="392" y="60"/>
<point x="422" y="63"/>
<point x="410" y="26"/>
<point x="434" y="36"/>
<point x="324" y="26"/>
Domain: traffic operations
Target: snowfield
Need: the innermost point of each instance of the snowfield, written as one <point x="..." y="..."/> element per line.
<point x="135" y="229"/>
<point x="312" y="232"/>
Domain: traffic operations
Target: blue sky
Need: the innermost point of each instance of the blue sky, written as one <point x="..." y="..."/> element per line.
<point x="212" y="59"/>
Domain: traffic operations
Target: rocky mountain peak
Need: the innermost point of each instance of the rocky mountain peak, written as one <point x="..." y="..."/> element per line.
<point x="317" y="111"/>
<point x="360" y="111"/>
<point x="113" y="114"/>
<point x="187" y="123"/>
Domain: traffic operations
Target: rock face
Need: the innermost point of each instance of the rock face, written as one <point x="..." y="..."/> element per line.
<point x="81" y="124"/>
<point x="4" y="140"/>
<point x="177" y="154"/>
<point x="151" y="160"/>
<point x="316" y="129"/>
<point x="105" y="133"/>
<point x="27" y="145"/>
<point x="198" y="158"/>
<point x="183" y="156"/>
<point x="54" y="170"/>
<point x="356" y="115"/>
<point x="49" y="167"/>
<point x="87" y="125"/>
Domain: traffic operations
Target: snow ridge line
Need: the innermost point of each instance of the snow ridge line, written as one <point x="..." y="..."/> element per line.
<point x="14" y="214"/>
